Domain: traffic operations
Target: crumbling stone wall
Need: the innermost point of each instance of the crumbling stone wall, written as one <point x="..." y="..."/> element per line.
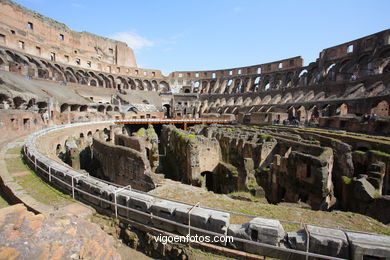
<point x="123" y="166"/>
<point x="188" y="155"/>
<point x="144" y="141"/>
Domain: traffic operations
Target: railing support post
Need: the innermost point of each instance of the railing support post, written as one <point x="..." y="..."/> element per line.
<point x="116" y="207"/>
<point x="72" y="187"/>
<point x="49" y="173"/>
<point x="189" y="222"/>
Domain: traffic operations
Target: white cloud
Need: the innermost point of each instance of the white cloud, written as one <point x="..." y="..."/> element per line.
<point x="76" y="5"/>
<point x="237" y="9"/>
<point x="133" y="40"/>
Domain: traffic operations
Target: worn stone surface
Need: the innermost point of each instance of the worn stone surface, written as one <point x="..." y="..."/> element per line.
<point x="331" y="242"/>
<point x="368" y="245"/>
<point x="24" y="235"/>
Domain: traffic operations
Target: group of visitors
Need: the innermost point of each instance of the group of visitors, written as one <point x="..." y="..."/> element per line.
<point x="366" y="117"/>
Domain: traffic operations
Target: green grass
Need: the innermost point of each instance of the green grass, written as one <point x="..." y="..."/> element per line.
<point x="15" y="165"/>
<point x="15" y="150"/>
<point x="34" y="185"/>
<point x="3" y="203"/>
<point x="284" y="211"/>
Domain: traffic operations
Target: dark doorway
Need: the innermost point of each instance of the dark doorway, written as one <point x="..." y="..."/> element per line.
<point x="208" y="176"/>
<point x="167" y="111"/>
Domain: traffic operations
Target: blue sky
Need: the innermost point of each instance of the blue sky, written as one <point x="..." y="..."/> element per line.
<point x="200" y="35"/>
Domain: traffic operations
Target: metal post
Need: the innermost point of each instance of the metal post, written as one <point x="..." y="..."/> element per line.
<point x="115" y="192"/>
<point x="49" y="173"/>
<point x="72" y="187"/>
<point x="189" y="222"/>
<point x="307" y="240"/>
<point x="116" y="207"/>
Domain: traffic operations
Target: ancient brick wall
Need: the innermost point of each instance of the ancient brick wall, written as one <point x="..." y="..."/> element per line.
<point x="123" y="165"/>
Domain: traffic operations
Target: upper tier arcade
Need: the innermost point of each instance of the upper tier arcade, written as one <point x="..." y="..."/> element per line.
<point x="352" y="60"/>
<point x="35" y="34"/>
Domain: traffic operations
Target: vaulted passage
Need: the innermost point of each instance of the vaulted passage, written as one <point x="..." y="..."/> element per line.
<point x="209" y="180"/>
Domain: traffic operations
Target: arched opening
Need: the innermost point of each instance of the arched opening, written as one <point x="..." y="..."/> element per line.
<point x="301" y="114"/>
<point x="196" y="87"/>
<point x="101" y="109"/>
<point x="382" y="109"/>
<point x="74" y="107"/>
<point x="93" y="83"/>
<point x="64" y="107"/>
<point x="167" y="110"/>
<point x="209" y="180"/>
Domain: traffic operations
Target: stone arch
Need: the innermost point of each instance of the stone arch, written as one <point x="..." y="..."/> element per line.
<point x="82" y="77"/>
<point x="302" y="77"/>
<point x="266" y="82"/>
<point x="238" y="101"/>
<point x="204" y="106"/>
<point x="288" y="82"/>
<point x="64" y="107"/>
<point x="309" y="96"/>
<point x="196" y="86"/>
<point x="131" y="84"/>
<point x="229" y="86"/>
<point x="298" y="96"/>
<point x="301" y="114"/>
<point x="345" y="69"/>
<point x="230" y="101"/>
<point x="256" y="101"/>
<point x="381" y="108"/>
<point x="70" y="77"/>
<point x="121" y="83"/>
<point x="342" y="109"/>
<point x="18" y="102"/>
<point x="148" y="85"/>
<point x="212" y="85"/>
<point x="276" y="99"/>
<point x="138" y="84"/>
<point x="256" y="84"/>
<point x="106" y="81"/>
<point x="247" y="101"/>
<point x="266" y="100"/>
<point x="74" y="107"/>
<point x="98" y="80"/>
<point x="291" y="113"/>
<point x="286" y="98"/>
<point x="101" y="108"/>
<point x="164" y="86"/>
<point x="92" y="82"/>
<point x="237" y="85"/>
<point x="155" y="85"/>
<point x="223" y="102"/>
<point x="278" y="81"/>
<point x="319" y="96"/>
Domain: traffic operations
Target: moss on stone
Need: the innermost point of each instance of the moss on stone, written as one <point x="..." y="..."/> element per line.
<point x="359" y="152"/>
<point x="346" y="180"/>
<point x="380" y="153"/>
<point x="141" y="132"/>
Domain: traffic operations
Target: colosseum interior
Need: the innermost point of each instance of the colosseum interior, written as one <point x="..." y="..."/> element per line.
<point x="293" y="161"/>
